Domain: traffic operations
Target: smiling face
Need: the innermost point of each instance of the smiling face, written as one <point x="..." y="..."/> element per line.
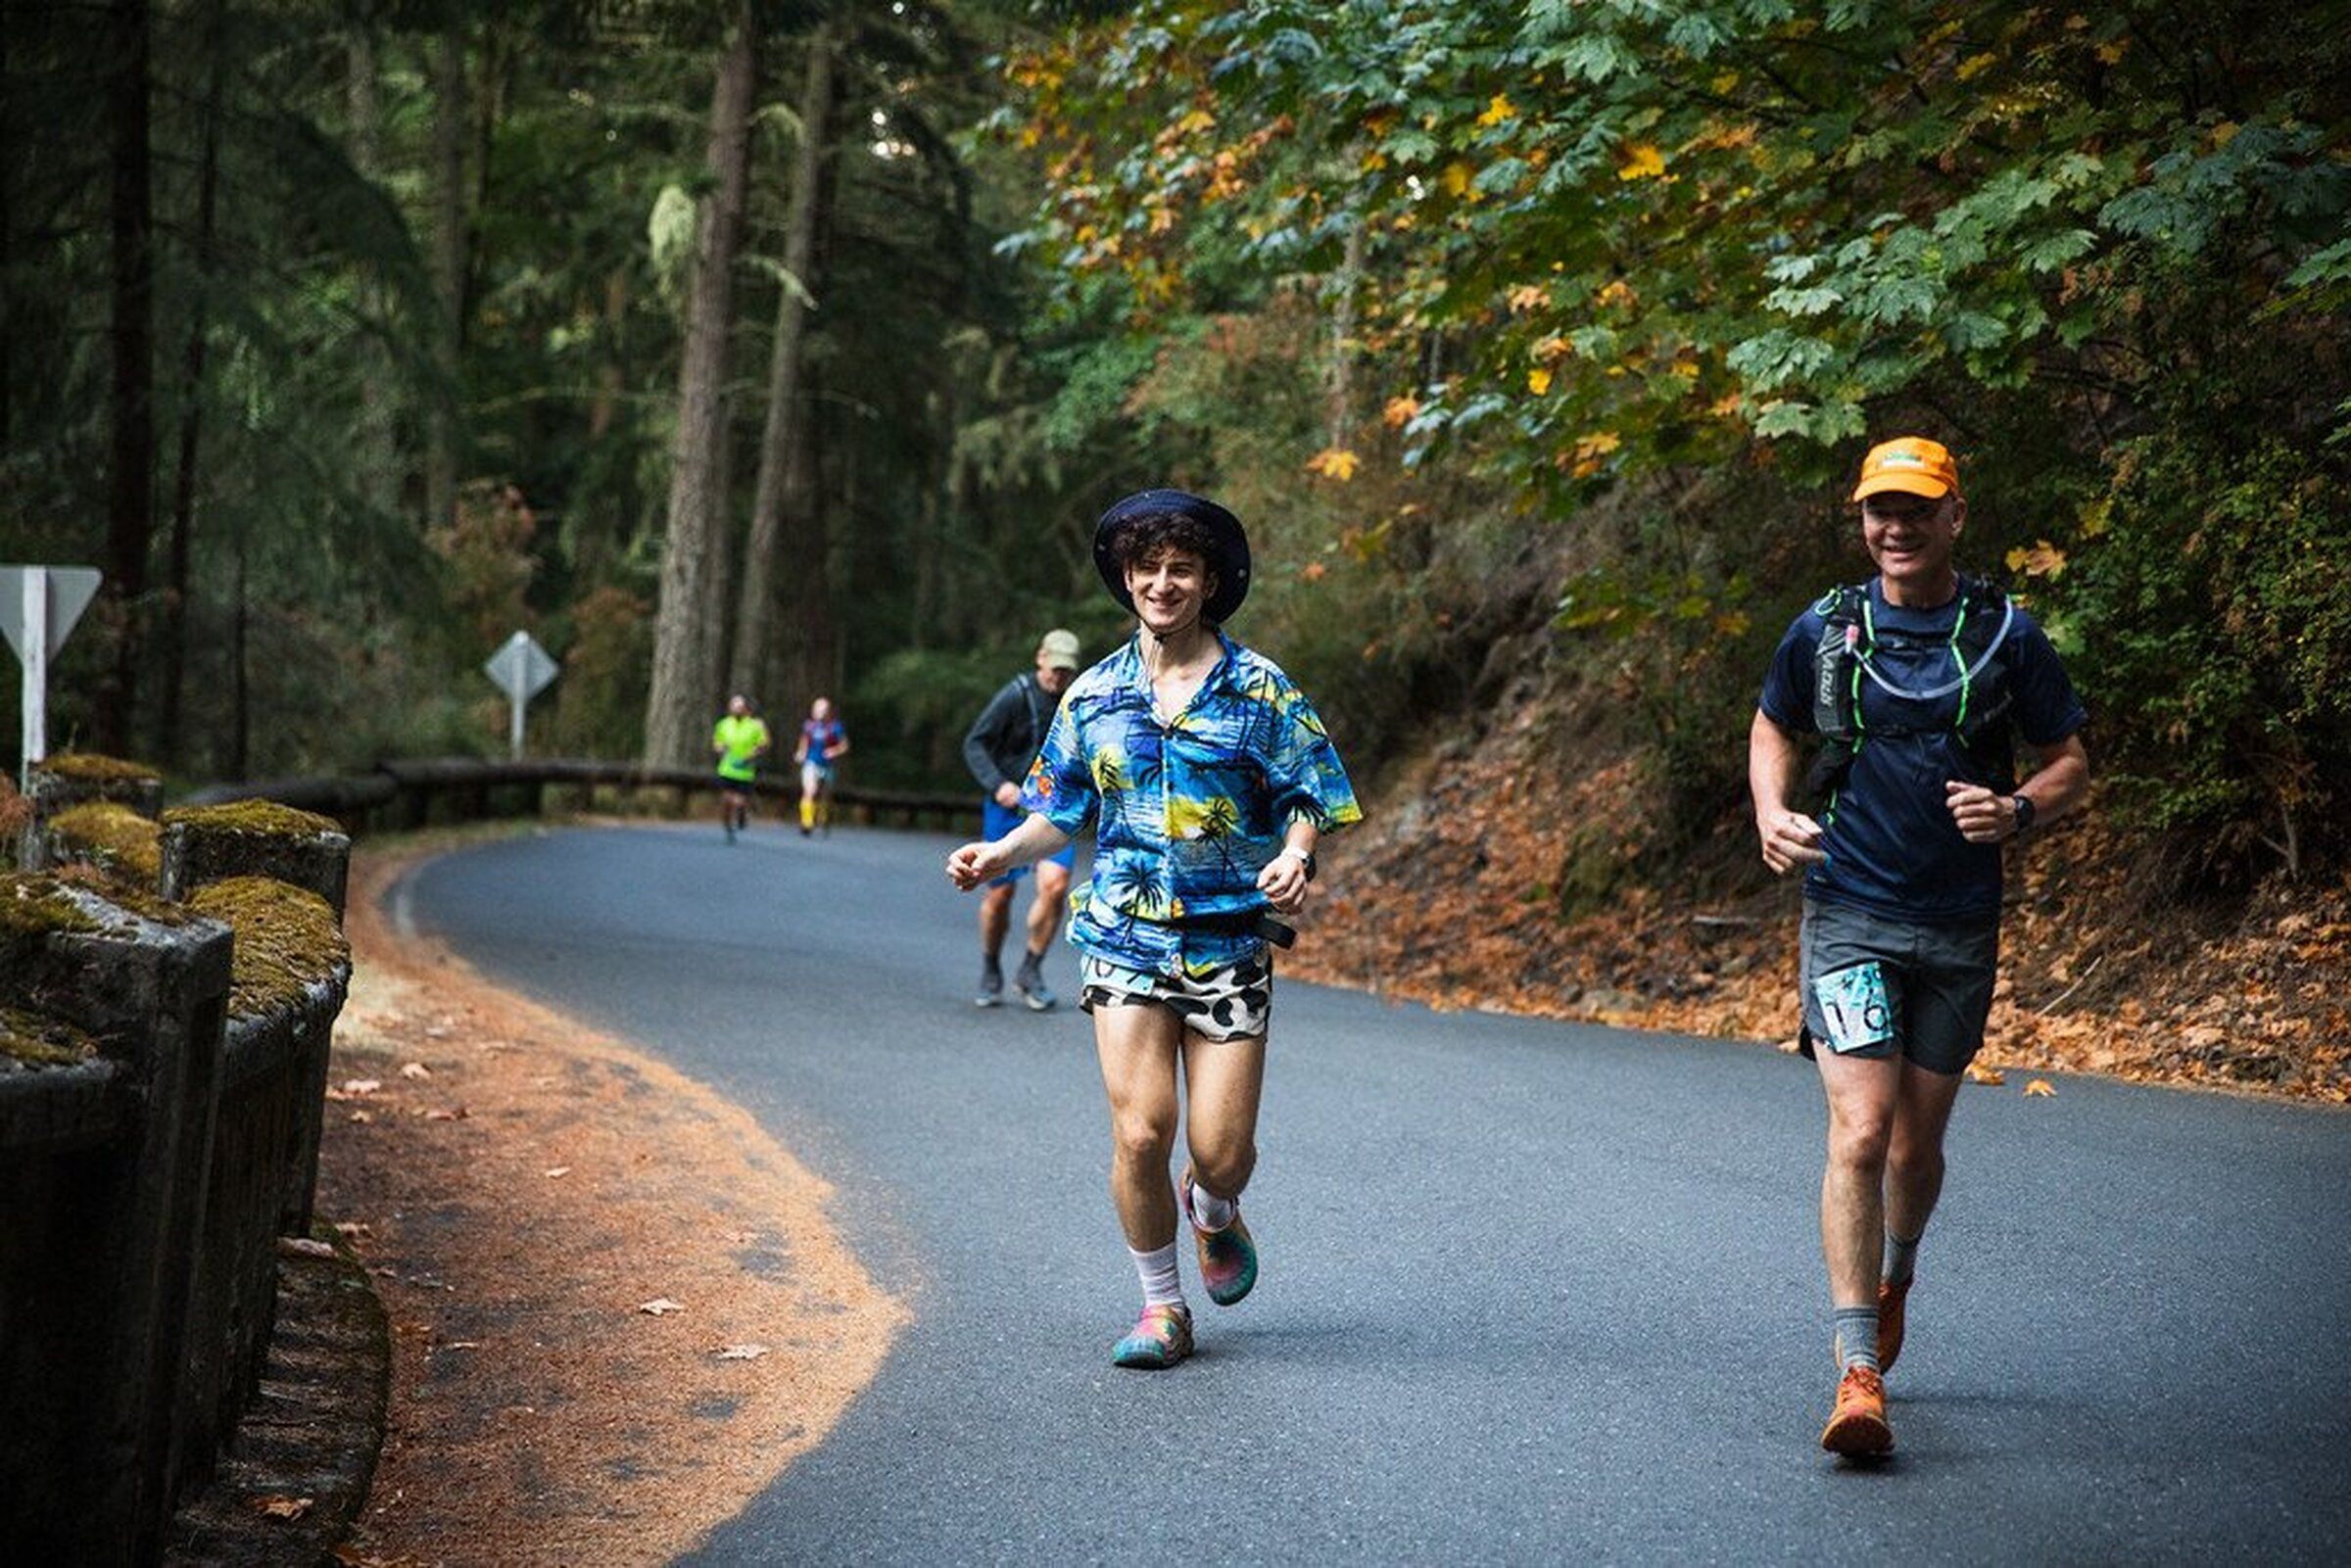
<point x="1171" y="588"/>
<point x="1912" y="538"/>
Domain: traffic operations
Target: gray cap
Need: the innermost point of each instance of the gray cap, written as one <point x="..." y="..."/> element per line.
<point x="1058" y="650"/>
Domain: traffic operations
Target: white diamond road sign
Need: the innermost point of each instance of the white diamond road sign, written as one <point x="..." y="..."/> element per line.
<point x="521" y="669"/>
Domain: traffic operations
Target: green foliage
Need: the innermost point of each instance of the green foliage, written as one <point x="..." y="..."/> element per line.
<point x="1612" y="242"/>
<point x="2218" y="618"/>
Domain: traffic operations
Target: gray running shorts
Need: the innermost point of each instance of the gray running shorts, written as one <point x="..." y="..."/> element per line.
<point x="1875" y="986"/>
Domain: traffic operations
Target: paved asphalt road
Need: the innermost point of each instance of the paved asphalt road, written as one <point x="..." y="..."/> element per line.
<point x="1532" y="1292"/>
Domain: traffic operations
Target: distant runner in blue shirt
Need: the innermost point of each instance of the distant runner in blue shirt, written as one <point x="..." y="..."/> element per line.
<point x="1917" y="685"/>
<point x="1208" y="779"/>
<point x="822" y="745"/>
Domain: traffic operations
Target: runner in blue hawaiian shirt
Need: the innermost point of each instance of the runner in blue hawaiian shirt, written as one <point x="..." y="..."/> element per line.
<point x="1208" y="779"/>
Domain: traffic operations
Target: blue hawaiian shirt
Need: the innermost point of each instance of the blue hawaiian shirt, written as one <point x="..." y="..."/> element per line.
<point x="1186" y="810"/>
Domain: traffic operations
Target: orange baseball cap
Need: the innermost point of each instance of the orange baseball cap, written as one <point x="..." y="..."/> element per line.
<point x="1909" y="463"/>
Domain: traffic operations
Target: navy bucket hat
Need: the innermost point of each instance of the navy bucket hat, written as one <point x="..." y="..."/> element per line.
<point x="1229" y="562"/>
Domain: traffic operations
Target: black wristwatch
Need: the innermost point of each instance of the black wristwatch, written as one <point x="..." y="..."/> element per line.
<point x="2025" y="812"/>
<point x="1304" y="858"/>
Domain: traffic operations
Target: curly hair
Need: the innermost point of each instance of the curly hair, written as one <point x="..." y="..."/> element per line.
<point x="1146" y="536"/>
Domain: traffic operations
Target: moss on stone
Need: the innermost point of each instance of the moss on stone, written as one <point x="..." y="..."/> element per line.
<point x="287" y="941"/>
<point x="266" y="818"/>
<point x="87" y="765"/>
<point x="35" y="1040"/>
<point x="32" y="908"/>
<point x="115" y="837"/>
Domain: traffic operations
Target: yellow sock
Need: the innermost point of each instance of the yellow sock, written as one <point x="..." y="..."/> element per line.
<point x="807" y="812"/>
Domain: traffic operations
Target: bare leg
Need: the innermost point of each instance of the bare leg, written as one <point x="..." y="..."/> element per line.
<point x="1224" y="1080"/>
<point x="1914" y="1162"/>
<point x="1862" y="1094"/>
<point x="1138" y="1048"/>
<point x="1044" y="914"/>
<point x="995" y="918"/>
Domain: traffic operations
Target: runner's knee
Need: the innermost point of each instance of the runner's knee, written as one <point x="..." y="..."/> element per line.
<point x="1222" y="1164"/>
<point x="1860" y="1140"/>
<point x="1144" y="1135"/>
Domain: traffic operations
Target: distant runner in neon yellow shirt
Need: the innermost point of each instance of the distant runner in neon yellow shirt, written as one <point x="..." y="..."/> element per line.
<point x="738" y="738"/>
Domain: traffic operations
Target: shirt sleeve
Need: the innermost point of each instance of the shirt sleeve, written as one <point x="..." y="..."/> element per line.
<point x="2047" y="710"/>
<point x="1787" y="698"/>
<point x="1061" y="784"/>
<point x="1303" y="768"/>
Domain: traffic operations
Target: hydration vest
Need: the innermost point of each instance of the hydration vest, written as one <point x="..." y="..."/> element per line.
<point x="1845" y="656"/>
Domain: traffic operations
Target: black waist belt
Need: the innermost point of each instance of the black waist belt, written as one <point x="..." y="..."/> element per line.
<point x="1241" y="923"/>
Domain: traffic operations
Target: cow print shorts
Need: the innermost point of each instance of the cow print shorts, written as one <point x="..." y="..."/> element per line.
<point x="1232" y="1003"/>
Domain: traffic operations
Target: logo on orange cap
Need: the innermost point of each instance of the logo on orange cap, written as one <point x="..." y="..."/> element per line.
<point x="1912" y="464"/>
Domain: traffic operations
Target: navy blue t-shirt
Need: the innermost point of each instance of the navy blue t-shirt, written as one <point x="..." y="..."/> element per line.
<point x="1891" y="844"/>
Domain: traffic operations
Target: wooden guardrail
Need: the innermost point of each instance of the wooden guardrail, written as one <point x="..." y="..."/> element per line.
<point x="164" y="1023"/>
<point x="411" y="793"/>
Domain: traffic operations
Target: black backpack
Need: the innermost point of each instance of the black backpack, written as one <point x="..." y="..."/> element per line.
<point x="1849" y="644"/>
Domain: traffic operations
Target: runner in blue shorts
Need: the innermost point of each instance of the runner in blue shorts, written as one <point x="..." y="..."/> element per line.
<point x="1918" y="684"/>
<point x="998" y="748"/>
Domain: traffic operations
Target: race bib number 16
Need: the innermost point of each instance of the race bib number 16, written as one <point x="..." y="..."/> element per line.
<point x="1852" y="1003"/>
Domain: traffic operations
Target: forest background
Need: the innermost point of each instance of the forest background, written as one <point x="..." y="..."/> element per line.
<point x="792" y="347"/>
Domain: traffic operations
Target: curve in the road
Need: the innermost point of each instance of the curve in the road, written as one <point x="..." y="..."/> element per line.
<point x="1533" y="1292"/>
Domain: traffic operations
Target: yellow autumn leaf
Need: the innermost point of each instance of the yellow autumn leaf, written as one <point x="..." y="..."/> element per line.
<point x="1528" y="297"/>
<point x="1550" y="349"/>
<point x="2111" y="52"/>
<point x="1374" y="162"/>
<point x="1199" y="119"/>
<point x="2223" y="135"/>
<point x="2042" y="559"/>
<point x="1618" y="292"/>
<point x="1458" y="177"/>
<point x="1333" y="463"/>
<point x="1642" y="161"/>
<point x="1399" y="411"/>
<point x="1500" y="110"/>
<point x="1975" y="65"/>
<point x="1976" y="1073"/>
<point x="1538" y="381"/>
<point x="2040" y="1089"/>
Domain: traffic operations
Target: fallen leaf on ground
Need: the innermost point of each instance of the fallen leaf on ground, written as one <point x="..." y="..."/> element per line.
<point x="356" y="1088"/>
<point x="303" y="1247"/>
<point x="362" y="1117"/>
<point x="416" y="1070"/>
<point x="742" y="1353"/>
<point x="281" y="1508"/>
<point x="2040" y="1087"/>
<point x="659" y="1306"/>
<point x="458" y="1114"/>
<point x="558" y="1170"/>
<point x="1982" y="1074"/>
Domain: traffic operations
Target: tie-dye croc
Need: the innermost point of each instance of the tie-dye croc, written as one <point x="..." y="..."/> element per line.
<point x="1227" y="1256"/>
<point x="1160" y="1338"/>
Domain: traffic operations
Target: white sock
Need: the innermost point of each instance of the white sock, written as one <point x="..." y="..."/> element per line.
<point x="1162" y="1284"/>
<point x="1210" y="1211"/>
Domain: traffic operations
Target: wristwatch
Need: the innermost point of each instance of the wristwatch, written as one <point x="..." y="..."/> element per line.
<point x="2025" y="812"/>
<point x="1304" y="857"/>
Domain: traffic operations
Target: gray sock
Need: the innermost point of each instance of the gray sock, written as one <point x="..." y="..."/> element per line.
<point x="1857" y="1337"/>
<point x="1902" y="1259"/>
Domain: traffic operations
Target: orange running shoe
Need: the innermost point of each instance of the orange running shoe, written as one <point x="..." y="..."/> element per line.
<point x="1889" y="1321"/>
<point x="1857" y="1426"/>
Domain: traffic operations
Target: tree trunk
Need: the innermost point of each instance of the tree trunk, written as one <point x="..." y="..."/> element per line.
<point x="449" y="268"/>
<point x="804" y="658"/>
<point x="1338" y="386"/>
<point x="130" y="511"/>
<point x="685" y="673"/>
<point x="802" y="220"/>
<point x="191" y="396"/>
<point x="378" y="443"/>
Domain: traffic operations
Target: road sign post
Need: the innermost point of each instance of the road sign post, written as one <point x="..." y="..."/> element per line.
<point x="38" y="606"/>
<point x="521" y="670"/>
